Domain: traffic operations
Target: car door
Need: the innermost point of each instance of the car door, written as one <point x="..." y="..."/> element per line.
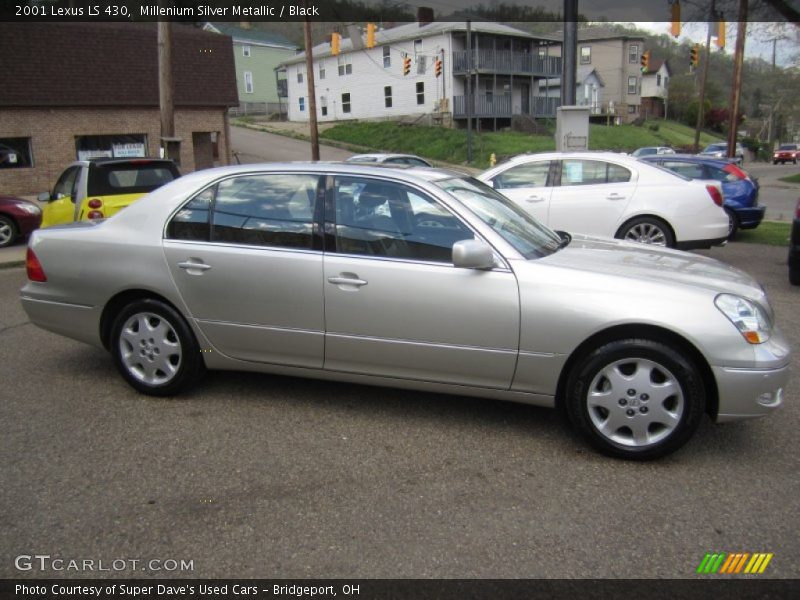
<point x="394" y="304"/>
<point x="243" y="256"/>
<point x="591" y="197"/>
<point x="529" y="185"/>
<point x="61" y="207"/>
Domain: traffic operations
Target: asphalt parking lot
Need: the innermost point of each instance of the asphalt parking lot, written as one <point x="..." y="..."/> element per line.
<point x="264" y="476"/>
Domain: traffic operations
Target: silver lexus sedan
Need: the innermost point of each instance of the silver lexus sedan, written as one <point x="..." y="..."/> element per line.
<point x="417" y="278"/>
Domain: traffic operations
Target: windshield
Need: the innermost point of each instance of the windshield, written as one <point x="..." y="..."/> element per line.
<point x="715" y="148"/>
<point x="527" y="235"/>
<point x="645" y="151"/>
<point x="788" y="147"/>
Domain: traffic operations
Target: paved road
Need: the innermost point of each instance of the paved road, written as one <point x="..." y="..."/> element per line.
<point x="264" y="476"/>
<point x="258" y="146"/>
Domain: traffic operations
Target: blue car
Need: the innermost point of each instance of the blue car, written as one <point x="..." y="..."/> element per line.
<point x="739" y="190"/>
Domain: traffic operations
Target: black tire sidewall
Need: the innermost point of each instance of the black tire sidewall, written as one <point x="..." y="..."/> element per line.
<point x="192" y="365"/>
<point x="684" y="371"/>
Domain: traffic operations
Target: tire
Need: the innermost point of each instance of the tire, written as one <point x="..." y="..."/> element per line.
<point x="8" y="231"/>
<point x="636" y="399"/>
<point x="164" y="361"/>
<point x="647" y="230"/>
<point x="774" y="162"/>
<point x="733" y="225"/>
<point x="794" y="276"/>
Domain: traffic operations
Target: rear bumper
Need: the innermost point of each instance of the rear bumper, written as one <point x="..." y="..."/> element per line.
<point x="750" y="217"/>
<point x="75" y="321"/>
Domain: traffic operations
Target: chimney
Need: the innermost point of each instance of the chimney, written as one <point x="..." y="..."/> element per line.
<point x="424" y="16"/>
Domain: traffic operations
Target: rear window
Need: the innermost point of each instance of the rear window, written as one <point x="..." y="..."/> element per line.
<point x="127" y="178"/>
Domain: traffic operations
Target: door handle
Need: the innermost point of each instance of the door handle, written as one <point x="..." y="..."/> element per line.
<point x="615" y="197"/>
<point x="346" y="281"/>
<point x="190" y="265"/>
<point x="534" y="199"/>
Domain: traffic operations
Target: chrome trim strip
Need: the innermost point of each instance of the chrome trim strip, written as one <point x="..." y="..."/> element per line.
<point x="53" y="302"/>
<point x="420" y="343"/>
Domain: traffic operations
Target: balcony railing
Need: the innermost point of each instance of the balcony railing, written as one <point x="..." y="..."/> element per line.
<point x="507" y="62"/>
<point x="501" y="107"/>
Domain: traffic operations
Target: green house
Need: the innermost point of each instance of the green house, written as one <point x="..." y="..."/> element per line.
<point x="256" y="54"/>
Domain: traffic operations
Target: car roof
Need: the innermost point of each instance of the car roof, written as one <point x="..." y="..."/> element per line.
<point x="383" y="156"/>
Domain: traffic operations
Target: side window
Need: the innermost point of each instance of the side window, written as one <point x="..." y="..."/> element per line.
<point x="265" y="210"/>
<point x="527" y="175"/>
<point x="191" y="222"/>
<point x="592" y="172"/>
<point x="690" y="170"/>
<point x="392" y="220"/>
<point x="66" y="183"/>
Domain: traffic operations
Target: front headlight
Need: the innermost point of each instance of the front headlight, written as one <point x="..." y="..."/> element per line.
<point x="748" y="317"/>
<point x="31" y="209"/>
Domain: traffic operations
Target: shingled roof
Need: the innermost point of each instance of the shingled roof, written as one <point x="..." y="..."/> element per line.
<point x="111" y="64"/>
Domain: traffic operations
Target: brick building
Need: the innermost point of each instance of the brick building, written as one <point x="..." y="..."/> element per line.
<point x="83" y="90"/>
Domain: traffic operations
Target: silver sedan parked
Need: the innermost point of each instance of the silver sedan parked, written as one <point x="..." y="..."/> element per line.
<point x="418" y="278"/>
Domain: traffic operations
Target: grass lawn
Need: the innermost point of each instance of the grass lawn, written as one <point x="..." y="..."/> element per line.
<point x="450" y="145"/>
<point x="792" y="178"/>
<point x="772" y="233"/>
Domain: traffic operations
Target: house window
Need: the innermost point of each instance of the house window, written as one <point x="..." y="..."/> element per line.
<point x="633" y="54"/>
<point x="633" y="109"/>
<point x="542" y="52"/>
<point x="246" y="51"/>
<point x="302" y="103"/>
<point x="387" y="96"/>
<point x="109" y="146"/>
<point x="299" y="77"/>
<point x="658" y="80"/>
<point x="420" y="92"/>
<point x="345" y="66"/>
<point x="666" y="82"/>
<point x="248" y="82"/>
<point x="15" y="153"/>
<point x="632" y="84"/>
<point x="422" y="64"/>
<point x="586" y="55"/>
<point x="323" y="106"/>
<point x="345" y="103"/>
<point x="387" y="57"/>
<point x="322" y="70"/>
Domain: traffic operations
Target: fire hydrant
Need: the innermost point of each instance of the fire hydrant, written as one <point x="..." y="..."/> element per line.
<point x="492" y="159"/>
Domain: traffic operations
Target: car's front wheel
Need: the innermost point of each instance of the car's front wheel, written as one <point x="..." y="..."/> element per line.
<point x="8" y="231"/>
<point x="154" y="349"/>
<point x="635" y="398"/>
<point x="647" y="230"/>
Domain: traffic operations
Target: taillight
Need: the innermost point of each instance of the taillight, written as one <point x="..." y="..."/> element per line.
<point x="95" y="203"/>
<point x="95" y="214"/>
<point x="715" y="194"/>
<point x="735" y="171"/>
<point x="34" y="267"/>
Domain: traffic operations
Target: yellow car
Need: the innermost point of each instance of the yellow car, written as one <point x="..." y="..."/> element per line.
<point x="99" y="188"/>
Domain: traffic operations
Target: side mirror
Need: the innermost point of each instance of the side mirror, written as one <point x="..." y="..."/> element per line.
<point x="44" y="197"/>
<point x="473" y="254"/>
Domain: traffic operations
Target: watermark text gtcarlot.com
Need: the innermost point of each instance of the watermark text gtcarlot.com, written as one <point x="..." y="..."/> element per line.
<point x="48" y="563"/>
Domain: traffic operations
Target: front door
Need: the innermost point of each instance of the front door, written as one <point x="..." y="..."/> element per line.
<point x="61" y="206"/>
<point x="395" y="306"/>
<point x="529" y="185"/>
<point x="243" y="257"/>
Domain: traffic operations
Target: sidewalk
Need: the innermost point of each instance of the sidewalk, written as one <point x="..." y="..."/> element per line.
<point x="13" y="256"/>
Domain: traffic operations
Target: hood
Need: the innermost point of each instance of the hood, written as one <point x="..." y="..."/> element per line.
<point x="633" y="260"/>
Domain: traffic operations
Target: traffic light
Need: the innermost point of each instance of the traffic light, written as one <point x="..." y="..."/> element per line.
<point x="694" y="56"/>
<point x="675" y="28"/>
<point x="370" y="35"/>
<point x="437" y="67"/>
<point x="720" y="34"/>
<point x="336" y="40"/>
<point x="406" y="65"/>
<point x="645" y="61"/>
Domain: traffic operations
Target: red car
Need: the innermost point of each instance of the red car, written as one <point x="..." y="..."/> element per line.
<point x="18" y="218"/>
<point x="785" y="153"/>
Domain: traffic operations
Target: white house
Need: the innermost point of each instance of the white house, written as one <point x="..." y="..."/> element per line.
<point x="362" y="83"/>
<point x="588" y="89"/>
<point x="655" y="89"/>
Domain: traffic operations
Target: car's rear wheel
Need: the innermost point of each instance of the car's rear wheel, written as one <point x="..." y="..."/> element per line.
<point x="647" y="230"/>
<point x="733" y="224"/>
<point x="154" y="349"/>
<point x="8" y="231"/>
<point x="635" y="399"/>
<point x="794" y="275"/>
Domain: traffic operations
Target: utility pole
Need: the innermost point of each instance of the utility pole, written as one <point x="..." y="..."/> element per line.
<point x="703" y="80"/>
<point x="738" y="63"/>
<point x="468" y="103"/>
<point x="312" y="96"/>
<point x="169" y="143"/>
<point x="570" y="53"/>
